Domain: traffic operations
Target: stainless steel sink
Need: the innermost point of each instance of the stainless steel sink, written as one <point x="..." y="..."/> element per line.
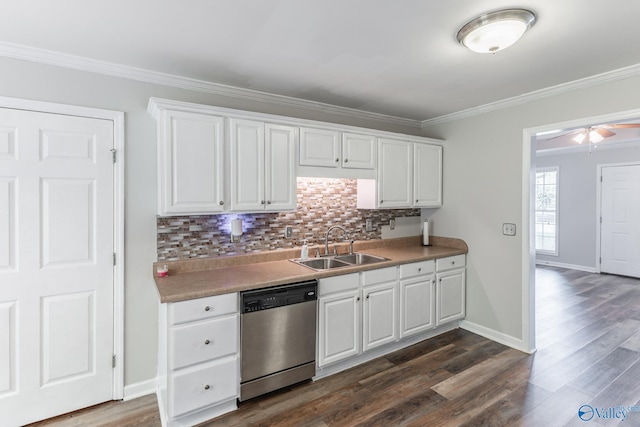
<point x="360" y="258"/>
<point x="338" y="261"/>
<point x="322" y="263"/>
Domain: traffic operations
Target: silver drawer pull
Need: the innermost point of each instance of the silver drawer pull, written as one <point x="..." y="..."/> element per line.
<point x="207" y="308"/>
<point x="207" y="342"/>
<point x="207" y="387"/>
<point x="419" y="269"/>
<point x="453" y="262"/>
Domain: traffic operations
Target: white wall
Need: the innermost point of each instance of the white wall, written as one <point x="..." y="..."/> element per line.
<point x="577" y="202"/>
<point x="483" y="169"/>
<point x="27" y="80"/>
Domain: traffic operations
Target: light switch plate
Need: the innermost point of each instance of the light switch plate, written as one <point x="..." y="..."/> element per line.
<point x="288" y="232"/>
<point x="369" y="225"/>
<point x="508" y="229"/>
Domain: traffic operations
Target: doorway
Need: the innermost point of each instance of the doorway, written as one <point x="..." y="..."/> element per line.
<point x="528" y="206"/>
<point x="61" y="289"/>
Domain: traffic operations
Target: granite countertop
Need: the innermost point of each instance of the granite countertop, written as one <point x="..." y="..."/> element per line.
<point x="199" y="278"/>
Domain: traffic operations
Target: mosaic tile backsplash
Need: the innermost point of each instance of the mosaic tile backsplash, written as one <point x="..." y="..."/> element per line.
<point x="322" y="202"/>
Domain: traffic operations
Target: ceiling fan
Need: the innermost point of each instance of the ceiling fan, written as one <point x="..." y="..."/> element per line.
<point x="594" y="134"/>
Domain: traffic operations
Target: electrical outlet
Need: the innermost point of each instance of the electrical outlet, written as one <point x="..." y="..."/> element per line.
<point x="508" y="229"/>
<point x="288" y="232"/>
<point x="392" y="224"/>
<point x="369" y="225"/>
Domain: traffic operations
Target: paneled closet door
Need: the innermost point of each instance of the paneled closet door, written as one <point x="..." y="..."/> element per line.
<point x="56" y="264"/>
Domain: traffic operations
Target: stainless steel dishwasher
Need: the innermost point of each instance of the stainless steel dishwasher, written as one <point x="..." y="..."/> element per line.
<point x="278" y="337"/>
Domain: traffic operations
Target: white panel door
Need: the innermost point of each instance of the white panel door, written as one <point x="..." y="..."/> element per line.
<point x="56" y="265"/>
<point x="280" y="172"/>
<point x="247" y="165"/>
<point x="620" y="227"/>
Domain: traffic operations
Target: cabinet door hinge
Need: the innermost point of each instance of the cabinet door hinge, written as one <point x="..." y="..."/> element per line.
<point x="114" y="258"/>
<point x="113" y="154"/>
<point x="113" y="361"/>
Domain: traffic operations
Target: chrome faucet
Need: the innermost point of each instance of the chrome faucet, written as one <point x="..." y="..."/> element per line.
<point x="326" y="239"/>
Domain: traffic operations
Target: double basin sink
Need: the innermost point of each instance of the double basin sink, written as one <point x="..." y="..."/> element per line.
<point x="337" y="261"/>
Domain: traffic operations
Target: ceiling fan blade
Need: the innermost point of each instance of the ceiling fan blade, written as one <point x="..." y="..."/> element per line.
<point x="604" y="132"/>
<point x="623" y="125"/>
<point x="565" y="135"/>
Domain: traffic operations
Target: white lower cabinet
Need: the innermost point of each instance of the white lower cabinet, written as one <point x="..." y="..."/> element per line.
<point x="338" y="318"/>
<point x="417" y="297"/>
<point x="377" y="308"/>
<point x="380" y="311"/>
<point x="450" y="288"/>
<point x="198" y="365"/>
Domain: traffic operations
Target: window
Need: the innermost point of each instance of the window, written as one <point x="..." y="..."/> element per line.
<point x="547" y="211"/>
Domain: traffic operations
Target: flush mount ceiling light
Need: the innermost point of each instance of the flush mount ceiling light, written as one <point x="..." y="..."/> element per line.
<point x="495" y="31"/>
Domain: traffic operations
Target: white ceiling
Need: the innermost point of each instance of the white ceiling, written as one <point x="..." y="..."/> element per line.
<point x="398" y="58"/>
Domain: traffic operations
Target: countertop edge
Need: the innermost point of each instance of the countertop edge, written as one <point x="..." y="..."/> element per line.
<point x="232" y="276"/>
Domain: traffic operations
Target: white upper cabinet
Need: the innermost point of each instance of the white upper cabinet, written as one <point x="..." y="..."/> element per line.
<point x="190" y="163"/>
<point x="427" y="175"/>
<point x="319" y="147"/>
<point x="409" y="175"/>
<point x="262" y="174"/>
<point x="334" y="153"/>
<point x="394" y="173"/>
<point x="280" y="171"/>
<point x="214" y="160"/>
<point x="358" y="151"/>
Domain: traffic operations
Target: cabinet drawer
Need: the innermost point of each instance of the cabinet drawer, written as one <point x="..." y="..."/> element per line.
<point x="417" y="269"/>
<point x="381" y="275"/>
<point x="334" y="284"/>
<point x="203" y="308"/>
<point x="450" y="262"/>
<point x="202" y="341"/>
<point x="198" y="388"/>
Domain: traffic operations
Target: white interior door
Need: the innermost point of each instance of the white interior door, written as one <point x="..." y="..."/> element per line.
<point x="620" y="223"/>
<point x="56" y="264"/>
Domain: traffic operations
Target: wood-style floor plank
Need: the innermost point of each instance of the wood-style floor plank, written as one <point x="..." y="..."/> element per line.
<point x="588" y="340"/>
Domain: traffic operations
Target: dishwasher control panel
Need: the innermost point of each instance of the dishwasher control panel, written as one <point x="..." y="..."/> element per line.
<point x="279" y="296"/>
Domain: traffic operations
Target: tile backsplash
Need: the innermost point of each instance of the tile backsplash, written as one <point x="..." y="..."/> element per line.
<point x="322" y="202"/>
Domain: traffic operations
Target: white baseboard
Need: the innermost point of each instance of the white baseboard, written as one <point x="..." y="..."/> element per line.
<point x="140" y="389"/>
<point x="496" y="336"/>
<point x="568" y="266"/>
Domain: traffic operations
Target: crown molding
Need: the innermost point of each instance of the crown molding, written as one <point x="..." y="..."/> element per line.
<point x="59" y="59"/>
<point x="609" y="76"/>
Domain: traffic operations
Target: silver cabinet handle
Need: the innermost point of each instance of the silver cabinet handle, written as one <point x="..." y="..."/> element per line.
<point x="346" y="160"/>
<point x="453" y="263"/>
<point x="207" y="387"/>
<point x="207" y="342"/>
<point x="207" y="308"/>
<point x="337" y="160"/>
<point x="358" y="299"/>
<point x="262" y="202"/>
<point x="367" y="296"/>
<point x="268" y="202"/>
<point x="419" y="269"/>
<point x="221" y="202"/>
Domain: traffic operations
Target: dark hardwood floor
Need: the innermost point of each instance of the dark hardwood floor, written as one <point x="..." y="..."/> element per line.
<point x="588" y="341"/>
